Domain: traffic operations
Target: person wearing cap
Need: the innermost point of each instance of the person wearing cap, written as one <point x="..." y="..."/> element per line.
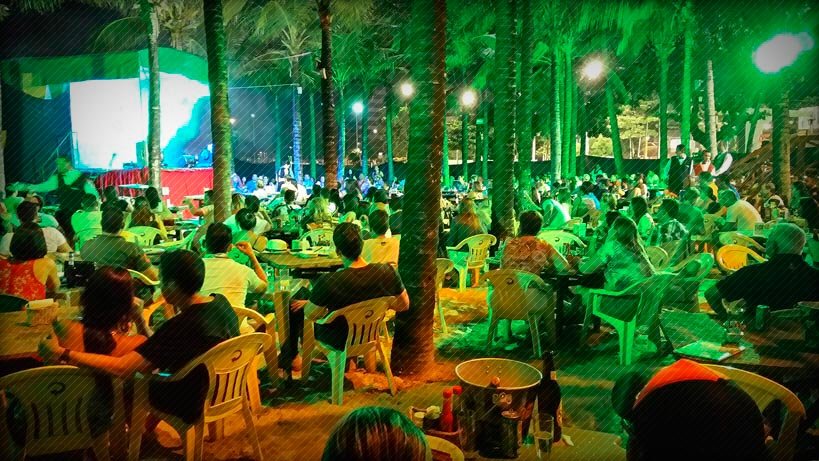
<point x="780" y="283"/>
<point x="688" y="411"/>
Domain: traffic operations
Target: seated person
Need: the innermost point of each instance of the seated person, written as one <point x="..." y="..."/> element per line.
<point x="371" y="433"/>
<point x="465" y="224"/>
<point x="381" y="201"/>
<point x="27" y="214"/>
<point x="45" y="219"/>
<point x="740" y="215"/>
<point x="283" y="208"/>
<point x="530" y="254"/>
<point x="688" y="411"/>
<point x="263" y="220"/>
<point x="639" y="214"/>
<point x="226" y="276"/>
<point x="668" y="228"/>
<point x="205" y="211"/>
<point x="111" y="249"/>
<point x="689" y="214"/>
<point x="382" y="249"/>
<point x="89" y="218"/>
<point x="350" y="210"/>
<point x="203" y="322"/>
<point x="357" y="282"/>
<point x="556" y="211"/>
<point x="143" y="216"/>
<point x="247" y="222"/>
<point x="158" y="206"/>
<point x="28" y="274"/>
<point x="780" y="283"/>
<point x="622" y="258"/>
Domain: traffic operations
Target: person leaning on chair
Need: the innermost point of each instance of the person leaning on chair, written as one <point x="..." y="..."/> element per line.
<point x="779" y="283"/>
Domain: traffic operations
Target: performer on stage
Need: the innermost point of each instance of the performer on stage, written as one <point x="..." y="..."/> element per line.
<point x="71" y="186"/>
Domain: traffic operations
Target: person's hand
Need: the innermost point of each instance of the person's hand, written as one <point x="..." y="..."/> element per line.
<point x="297" y="304"/>
<point x="245" y="248"/>
<point x="49" y="348"/>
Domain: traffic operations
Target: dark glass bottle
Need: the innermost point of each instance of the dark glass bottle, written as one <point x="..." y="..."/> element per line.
<point x="548" y="394"/>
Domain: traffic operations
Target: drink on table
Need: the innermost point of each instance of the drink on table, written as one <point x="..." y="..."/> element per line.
<point x="543" y="435"/>
<point x="447" y="421"/>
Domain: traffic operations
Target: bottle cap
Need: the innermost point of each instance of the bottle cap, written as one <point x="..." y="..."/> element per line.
<point x="447" y="393"/>
<point x="457" y="390"/>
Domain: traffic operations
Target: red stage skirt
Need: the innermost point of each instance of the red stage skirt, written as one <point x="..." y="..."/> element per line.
<point x="180" y="182"/>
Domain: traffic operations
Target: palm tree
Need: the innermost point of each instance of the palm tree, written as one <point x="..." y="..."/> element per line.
<point x="220" y="110"/>
<point x="685" y="104"/>
<point x="390" y="102"/>
<point x="524" y="99"/>
<point x="555" y="129"/>
<point x="4" y="13"/>
<point x="328" y="100"/>
<point x="503" y="173"/>
<point x="611" y="105"/>
<point x="312" y="137"/>
<point x="414" y="350"/>
<point x="149" y="17"/>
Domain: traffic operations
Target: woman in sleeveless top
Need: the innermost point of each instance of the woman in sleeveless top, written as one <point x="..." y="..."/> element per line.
<point x="29" y="274"/>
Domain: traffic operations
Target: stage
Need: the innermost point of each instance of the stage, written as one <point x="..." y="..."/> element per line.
<point x="179" y="181"/>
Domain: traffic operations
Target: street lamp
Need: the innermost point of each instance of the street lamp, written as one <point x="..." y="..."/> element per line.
<point x="407" y="90"/>
<point x="781" y="51"/>
<point x="468" y="100"/>
<point x="594" y="69"/>
<point x="232" y="121"/>
<point x="358" y="109"/>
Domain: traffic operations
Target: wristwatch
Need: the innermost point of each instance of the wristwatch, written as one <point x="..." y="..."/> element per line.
<point x="64" y="357"/>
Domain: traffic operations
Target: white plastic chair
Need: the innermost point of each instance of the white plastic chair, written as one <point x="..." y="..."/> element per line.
<point x="228" y="365"/>
<point x="445" y="446"/>
<point x="58" y="404"/>
<point x="478" y="246"/>
<point x="519" y="295"/>
<point x="735" y="238"/>
<point x="145" y="236"/>
<point x="569" y="226"/>
<point x="318" y="237"/>
<point x="764" y="391"/>
<point x="443" y="266"/>
<point x="85" y="236"/>
<point x="731" y="258"/>
<point x="683" y="292"/>
<point x="364" y="323"/>
<point x="256" y="323"/>
<point x="658" y="257"/>
<point x="562" y="241"/>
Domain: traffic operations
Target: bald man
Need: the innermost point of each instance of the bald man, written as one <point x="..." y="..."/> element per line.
<point x="779" y="283"/>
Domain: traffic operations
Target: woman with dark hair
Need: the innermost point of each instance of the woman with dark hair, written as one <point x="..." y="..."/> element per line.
<point x="465" y="224"/>
<point x="622" y="258"/>
<point x="143" y="216"/>
<point x="375" y="433"/>
<point x="247" y="222"/>
<point x="639" y="214"/>
<point x="528" y="253"/>
<point x="28" y="274"/>
<point x="158" y="207"/>
<point x="263" y="220"/>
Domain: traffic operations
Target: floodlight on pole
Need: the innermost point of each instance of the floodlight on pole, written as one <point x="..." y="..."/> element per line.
<point x="232" y="121"/>
<point x="594" y="69"/>
<point x="469" y="98"/>
<point x="358" y="107"/>
<point x="407" y="89"/>
<point x="781" y="51"/>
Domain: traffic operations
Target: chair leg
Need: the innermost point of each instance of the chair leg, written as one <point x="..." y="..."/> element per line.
<point x="387" y="369"/>
<point x="100" y="448"/>
<point x="534" y="330"/>
<point x="493" y="327"/>
<point x="253" y="384"/>
<point x="584" y="332"/>
<point x="462" y="273"/>
<point x="337" y="360"/>
<point x="192" y="439"/>
<point x="441" y="317"/>
<point x="626" y="332"/>
<point x="254" y="435"/>
<point x="271" y="358"/>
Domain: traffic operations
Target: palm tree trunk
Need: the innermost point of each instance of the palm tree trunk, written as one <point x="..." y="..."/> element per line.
<point x="616" y="146"/>
<point x="749" y="140"/>
<point x="342" y="134"/>
<point x="781" y="160"/>
<point x="365" y="134"/>
<point x="296" y="109"/>
<point x="2" y="143"/>
<point x="573" y="133"/>
<point x="524" y="100"/>
<point x="413" y="350"/>
<point x="465" y="144"/>
<point x="685" y="104"/>
<point x="312" y="137"/>
<point x="388" y="136"/>
<point x="154" y="149"/>
<point x="503" y="173"/>
<point x="445" y="174"/>
<point x="663" y="56"/>
<point x="219" y="108"/>
<point x="566" y="131"/>
<point x="485" y="156"/>
<point x="328" y="101"/>
<point x="554" y="138"/>
<point x="278" y="132"/>
<point x="712" y="111"/>
<point x="582" y="131"/>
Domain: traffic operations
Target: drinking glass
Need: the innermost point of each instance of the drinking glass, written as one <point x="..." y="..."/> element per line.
<point x="468" y="433"/>
<point x="284" y="279"/>
<point x="543" y="435"/>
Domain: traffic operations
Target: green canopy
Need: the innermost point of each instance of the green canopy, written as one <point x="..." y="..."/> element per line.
<point x="46" y="78"/>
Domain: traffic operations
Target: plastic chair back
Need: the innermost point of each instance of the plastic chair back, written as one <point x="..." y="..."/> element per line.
<point x="764" y="391"/>
<point x="573" y="222"/>
<point x="510" y="297"/>
<point x="709" y="223"/>
<point x="364" y="321"/>
<point x="319" y="237"/>
<point x="11" y="303"/>
<point x="732" y="258"/>
<point x="145" y="236"/>
<point x="478" y="249"/>
<point x="735" y="238"/>
<point x="443" y="266"/>
<point x="657" y="257"/>
<point x="86" y="235"/>
<point x="562" y="241"/>
<point x="444" y="446"/>
<point x="58" y="404"/>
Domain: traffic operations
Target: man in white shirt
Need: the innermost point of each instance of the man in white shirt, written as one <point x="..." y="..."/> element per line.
<point x="225" y="276"/>
<point x="382" y="249"/>
<point x="740" y="215"/>
<point x="89" y="218"/>
<point x="556" y="214"/>
<point x="27" y="214"/>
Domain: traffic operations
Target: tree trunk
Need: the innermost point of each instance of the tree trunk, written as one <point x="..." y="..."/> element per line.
<point x="278" y="131"/>
<point x="685" y="104"/>
<point x="781" y="160"/>
<point x="663" y="56"/>
<point x="2" y="143"/>
<point x="566" y="131"/>
<point x="503" y="173"/>
<point x="312" y="137"/>
<point x="342" y="135"/>
<point x="616" y="146"/>
<point x="478" y="147"/>
<point x="556" y="153"/>
<point x="388" y="135"/>
<point x="219" y="108"/>
<point x="151" y="22"/>
<point x="413" y="350"/>
<point x="446" y="177"/>
<point x="296" y="107"/>
<point x="465" y="144"/>
<point x="582" y="131"/>
<point x="485" y="156"/>
<point x="524" y="100"/>
<point x="365" y="134"/>
<point x="749" y="140"/>
<point x="712" y="112"/>
<point x="573" y="129"/>
<point x="328" y="101"/>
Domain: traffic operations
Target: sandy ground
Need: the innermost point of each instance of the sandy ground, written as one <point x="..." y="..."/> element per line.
<point x="296" y="421"/>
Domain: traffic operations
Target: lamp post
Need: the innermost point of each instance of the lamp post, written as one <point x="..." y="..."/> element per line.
<point x="468" y="100"/>
<point x="592" y="71"/>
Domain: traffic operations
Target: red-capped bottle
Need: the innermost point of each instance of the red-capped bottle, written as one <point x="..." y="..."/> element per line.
<point x="447" y="421"/>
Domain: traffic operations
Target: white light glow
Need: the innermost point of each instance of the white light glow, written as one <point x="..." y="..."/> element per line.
<point x="594" y="69"/>
<point x="358" y="107"/>
<point x="469" y="98"/>
<point x="407" y="89"/>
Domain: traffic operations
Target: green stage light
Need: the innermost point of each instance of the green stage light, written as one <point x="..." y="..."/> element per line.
<point x="781" y="51"/>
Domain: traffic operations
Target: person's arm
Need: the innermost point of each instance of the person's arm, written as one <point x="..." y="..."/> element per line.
<point x="561" y="263"/>
<point x="246" y="249"/>
<point x="48" y="185"/>
<point x="53" y="279"/>
<point x="124" y="366"/>
<point x="313" y="312"/>
<point x="401" y="302"/>
<point x="64" y="248"/>
<point x="195" y="210"/>
<point x="89" y="188"/>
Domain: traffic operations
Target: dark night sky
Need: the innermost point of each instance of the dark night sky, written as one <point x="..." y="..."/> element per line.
<point x="68" y="31"/>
